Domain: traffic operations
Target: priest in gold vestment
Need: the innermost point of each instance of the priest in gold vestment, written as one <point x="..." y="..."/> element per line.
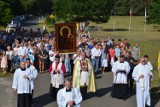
<point x="83" y="76"/>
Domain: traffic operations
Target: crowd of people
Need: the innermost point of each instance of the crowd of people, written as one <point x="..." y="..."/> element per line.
<point x="23" y="49"/>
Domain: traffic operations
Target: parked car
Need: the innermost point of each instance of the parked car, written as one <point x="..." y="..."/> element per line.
<point x="14" y="24"/>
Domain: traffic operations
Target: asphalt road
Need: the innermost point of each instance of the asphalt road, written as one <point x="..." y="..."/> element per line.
<point x="101" y="98"/>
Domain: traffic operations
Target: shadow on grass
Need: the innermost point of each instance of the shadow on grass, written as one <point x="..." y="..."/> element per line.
<point x="111" y="30"/>
<point x="155" y="95"/>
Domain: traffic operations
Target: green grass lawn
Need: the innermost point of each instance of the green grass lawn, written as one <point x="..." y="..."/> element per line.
<point x="149" y="41"/>
<point x="4" y="75"/>
<point x="2" y="28"/>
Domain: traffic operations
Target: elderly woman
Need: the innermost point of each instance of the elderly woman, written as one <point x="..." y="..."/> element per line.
<point x="9" y="54"/>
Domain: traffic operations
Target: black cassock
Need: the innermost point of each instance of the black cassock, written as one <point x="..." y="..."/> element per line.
<point x="24" y="100"/>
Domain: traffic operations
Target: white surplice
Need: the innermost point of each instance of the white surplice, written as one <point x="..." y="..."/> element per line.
<point x="34" y="75"/>
<point x="21" y="84"/>
<point x="150" y="65"/>
<point x="142" y="85"/>
<point x="120" y="78"/>
<point x="57" y="79"/>
<point x="63" y="97"/>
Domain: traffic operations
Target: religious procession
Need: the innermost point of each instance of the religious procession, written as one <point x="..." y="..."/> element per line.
<point x="73" y="76"/>
<point x="79" y="53"/>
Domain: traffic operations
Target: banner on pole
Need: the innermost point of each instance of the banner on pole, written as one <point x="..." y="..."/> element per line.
<point x="65" y="36"/>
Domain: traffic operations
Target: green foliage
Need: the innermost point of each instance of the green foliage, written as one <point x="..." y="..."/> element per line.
<point x="42" y="6"/>
<point x="122" y="7"/>
<point x="20" y="7"/>
<point x="82" y="10"/>
<point x="154" y="13"/>
<point x="5" y="13"/>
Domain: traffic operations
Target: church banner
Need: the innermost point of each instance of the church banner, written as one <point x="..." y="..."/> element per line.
<point x="65" y="36"/>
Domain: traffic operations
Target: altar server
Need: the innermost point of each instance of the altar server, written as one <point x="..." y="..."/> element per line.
<point x="21" y="85"/>
<point x="69" y="96"/>
<point x="120" y="71"/>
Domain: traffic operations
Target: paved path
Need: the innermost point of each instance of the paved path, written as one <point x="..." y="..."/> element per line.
<point x="99" y="99"/>
<point x="33" y="23"/>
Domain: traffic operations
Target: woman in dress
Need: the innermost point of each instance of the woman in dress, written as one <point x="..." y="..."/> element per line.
<point x="15" y="52"/>
<point x="31" y="54"/>
<point x="4" y="62"/>
<point x="112" y="55"/>
<point x="67" y="63"/>
<point x="136" y="52"/>
<point x="104" y="60"/>
<point x="9" y="54"/>
<point x="42" y="57"/>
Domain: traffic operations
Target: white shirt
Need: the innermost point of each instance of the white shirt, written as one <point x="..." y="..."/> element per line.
<point x="51" y="58"/>
<point x="9" y="54"/>
<point x="150" y="65"/>
<point x="38" y="45"/>
<point x="22" y="85"/>
<point x="95" y="52"/>
<point x="22" y="51"/>
<point x="15" y="50"/>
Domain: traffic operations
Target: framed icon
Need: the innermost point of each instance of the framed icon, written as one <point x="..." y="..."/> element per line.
<point x="65" y="36"/>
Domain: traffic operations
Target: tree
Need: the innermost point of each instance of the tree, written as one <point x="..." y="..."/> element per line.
<point x="81" y="10"/>
<point x="20" y="7"/>
<point x="42" y="6"/>
<point x="5" y="13"/>
<point x="154" y="12"/>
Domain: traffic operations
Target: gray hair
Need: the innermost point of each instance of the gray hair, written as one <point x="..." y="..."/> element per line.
<point x="68" y="80"/>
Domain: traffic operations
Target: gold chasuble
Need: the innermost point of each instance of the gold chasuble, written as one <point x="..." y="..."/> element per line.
<point x="91" y="85"/>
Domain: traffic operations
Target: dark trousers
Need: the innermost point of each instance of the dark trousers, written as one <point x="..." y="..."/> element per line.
<point x="9" y="65"/>
<point x="54" y="91"/>
<point x="24" y="100"/>
<point x="83" y="91"/>
<point x="130" y="81"/>
<point x="31" y="97"/>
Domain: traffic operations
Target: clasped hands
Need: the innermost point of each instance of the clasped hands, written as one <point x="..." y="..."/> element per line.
<point x="70" y="103"/>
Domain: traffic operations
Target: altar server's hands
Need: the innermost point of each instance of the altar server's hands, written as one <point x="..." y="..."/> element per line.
<point x="70" y="103"/>
<point x="25" y="77"/>
<point x="141" y="76"/>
